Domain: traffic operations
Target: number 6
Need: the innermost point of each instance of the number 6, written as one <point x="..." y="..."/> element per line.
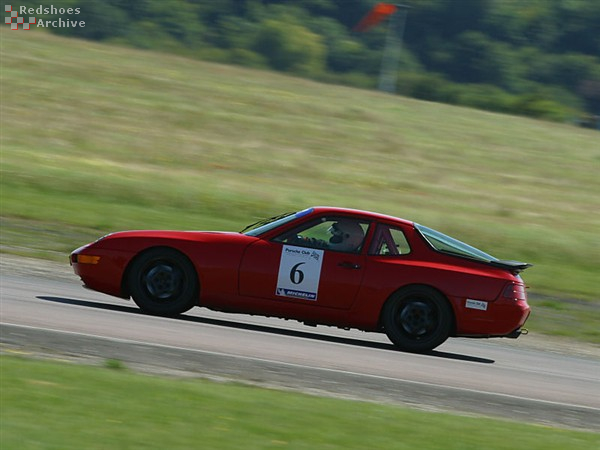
<point x="296" y="275"/>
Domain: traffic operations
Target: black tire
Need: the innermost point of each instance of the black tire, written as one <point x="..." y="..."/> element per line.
<point x="417" y="319"/>
<point x="162" y="281"/>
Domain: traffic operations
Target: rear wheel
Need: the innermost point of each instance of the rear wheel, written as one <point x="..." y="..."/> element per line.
<point x="164" y="282"/>
<point x="417" y="319"/>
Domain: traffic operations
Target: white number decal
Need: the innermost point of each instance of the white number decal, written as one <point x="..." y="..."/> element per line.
<point x="299" y="272"/>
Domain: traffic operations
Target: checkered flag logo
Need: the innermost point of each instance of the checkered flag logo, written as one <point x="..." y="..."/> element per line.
<point x="14" y="20"/>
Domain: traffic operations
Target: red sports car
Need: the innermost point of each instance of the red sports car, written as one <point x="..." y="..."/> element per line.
<point x="322" y="265"/>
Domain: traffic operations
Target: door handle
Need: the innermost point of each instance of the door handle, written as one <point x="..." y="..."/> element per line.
<point x="349" y="265"/>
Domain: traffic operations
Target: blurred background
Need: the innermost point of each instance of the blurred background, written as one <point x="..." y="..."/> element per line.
<point x="537" y="58"/>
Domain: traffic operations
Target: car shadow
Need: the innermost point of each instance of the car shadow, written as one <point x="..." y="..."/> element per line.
<point x="265" y="329"/>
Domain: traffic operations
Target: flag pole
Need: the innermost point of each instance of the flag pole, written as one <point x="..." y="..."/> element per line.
<point x="388" y="75"/>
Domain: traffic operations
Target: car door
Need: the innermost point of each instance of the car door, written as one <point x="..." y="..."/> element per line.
<point x="302" y="267"/>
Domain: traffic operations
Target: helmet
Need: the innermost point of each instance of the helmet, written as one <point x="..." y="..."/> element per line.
<point x="346" y="236"/>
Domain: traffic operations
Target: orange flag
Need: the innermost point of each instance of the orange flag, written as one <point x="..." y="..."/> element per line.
<point x="379" y="12"/>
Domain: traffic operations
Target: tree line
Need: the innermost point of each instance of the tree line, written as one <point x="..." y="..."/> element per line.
<point x="536" y="58"/>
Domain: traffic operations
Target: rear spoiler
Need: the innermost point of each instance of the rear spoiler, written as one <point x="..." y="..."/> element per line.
<point x="512" y="266"/>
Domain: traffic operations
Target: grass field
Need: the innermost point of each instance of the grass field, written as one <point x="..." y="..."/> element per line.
<point x="98" y="138"/>
<point x="47" y="405"/>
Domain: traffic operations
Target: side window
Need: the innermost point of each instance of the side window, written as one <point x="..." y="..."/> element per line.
<point x="389" y="241"/>
<point x="337" y="233"/>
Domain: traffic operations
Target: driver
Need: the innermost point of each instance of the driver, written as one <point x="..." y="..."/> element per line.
<point x="346" y="236"/>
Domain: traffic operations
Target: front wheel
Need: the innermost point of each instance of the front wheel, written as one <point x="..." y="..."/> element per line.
<point x="163" y="281"/>
<point x="417" y="319"/>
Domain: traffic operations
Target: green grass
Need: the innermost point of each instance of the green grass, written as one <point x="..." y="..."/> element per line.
<point x="47" y="405"/>
<point x="576" y="320"/>
<point x="98" y="138"/>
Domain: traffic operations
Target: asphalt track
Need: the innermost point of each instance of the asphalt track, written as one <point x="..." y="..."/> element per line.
<point x="48" y="312"/>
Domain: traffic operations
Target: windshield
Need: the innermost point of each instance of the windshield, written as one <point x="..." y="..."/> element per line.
<point x="446" y="244"/>
<point x="262" y="226"/>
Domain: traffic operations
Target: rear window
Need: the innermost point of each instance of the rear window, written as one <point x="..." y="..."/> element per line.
<point x="446" y="244"/>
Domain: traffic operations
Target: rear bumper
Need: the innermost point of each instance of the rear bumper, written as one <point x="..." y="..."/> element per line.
<point x="501" y="318"/>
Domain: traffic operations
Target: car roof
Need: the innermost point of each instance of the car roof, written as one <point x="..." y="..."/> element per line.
<point x="366" y="214"/>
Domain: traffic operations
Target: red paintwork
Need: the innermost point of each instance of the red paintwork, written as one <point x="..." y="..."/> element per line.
<point x="238" y="273"/>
